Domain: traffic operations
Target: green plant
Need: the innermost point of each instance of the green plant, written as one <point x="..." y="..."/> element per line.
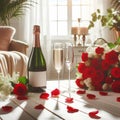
<point x="113" y="45"/>
<point x="111" y="19"/>
<point x="12" y="9"/>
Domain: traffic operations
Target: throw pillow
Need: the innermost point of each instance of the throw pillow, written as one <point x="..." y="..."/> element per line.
<point x="6" y="34"/>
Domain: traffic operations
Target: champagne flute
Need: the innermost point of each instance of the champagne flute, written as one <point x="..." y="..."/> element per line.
<point x="69" y="58"/>
<point x="58" y="58"/>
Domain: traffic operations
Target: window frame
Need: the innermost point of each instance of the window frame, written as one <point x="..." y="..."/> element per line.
<point x="69" y="18"/>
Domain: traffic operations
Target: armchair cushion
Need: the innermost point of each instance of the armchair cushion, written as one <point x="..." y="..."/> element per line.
<point x="12" y="59"/>
<point x="20" y="46"/>
<point x="6" y="34"/>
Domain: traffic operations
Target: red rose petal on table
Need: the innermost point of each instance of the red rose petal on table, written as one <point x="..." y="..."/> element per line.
<point x="55" y="92"/>
<point x="91" y="96"/>
<point x="71" y="109"/>
<point x="118" y="99"/>
<point x="39" y="107"/>
<point x="44" y="96"/>
<point x="81" y="92"/>
<point x="103" y="93"/>
<point x="93" y="114"/>
<point x="22" y="97"/>
<point x="69" y="100"/>
<point x="7" y="108"/>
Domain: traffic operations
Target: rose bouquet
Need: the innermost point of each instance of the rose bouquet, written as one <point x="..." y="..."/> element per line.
<point x="12" y="85"/>
<point x="99" y="69"/>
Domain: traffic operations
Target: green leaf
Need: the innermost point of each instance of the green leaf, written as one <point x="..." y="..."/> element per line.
<point x="98" y="10"/>
<point x="118" y="41"/>
<point x="110" y="10"/>
<point x="111" y="45"/>
<point x="78" y="75"/>
<point x="91" y="24"/>
<point x="13" y="9"/>
<point x="94" y="17"/>
<point x="23" y="80"/>
<point x="99" y="17"/>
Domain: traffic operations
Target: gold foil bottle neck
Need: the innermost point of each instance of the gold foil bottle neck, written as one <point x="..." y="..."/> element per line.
<point x="36" y="29"/>
<point x="36" y="32"/>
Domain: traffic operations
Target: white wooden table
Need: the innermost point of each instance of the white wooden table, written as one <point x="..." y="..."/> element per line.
<point x="55" y="108"/>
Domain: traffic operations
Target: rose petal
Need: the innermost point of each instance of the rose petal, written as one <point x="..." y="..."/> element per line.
<point x="91" y="96"/>
<point x="71" y="109"/>
<point x="103" y="93"/>
<point x="118" y="99"/>
<point x="55" y="92"/>
<point x="93" y="114"/>
<point x="39" y="107"/>
<point x="22" y="97"/>
<point x="44" y="96"/>
<point x="81" y="92"/>
<point x="7" y="108"/>
<point x="69" y="100"/>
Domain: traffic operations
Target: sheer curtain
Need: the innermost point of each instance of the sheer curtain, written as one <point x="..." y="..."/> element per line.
<point x="39" y="14"/>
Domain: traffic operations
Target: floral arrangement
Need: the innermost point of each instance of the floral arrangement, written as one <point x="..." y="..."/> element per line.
<point x="13" y="85"/>
<point x="100" y="68"/>
<point x="19" y="86"/>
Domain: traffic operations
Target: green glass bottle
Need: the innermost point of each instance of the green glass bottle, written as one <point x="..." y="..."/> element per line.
<point x="36" y="64"/>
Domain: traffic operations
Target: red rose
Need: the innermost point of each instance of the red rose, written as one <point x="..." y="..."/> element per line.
<point x="79" y="83"/>
<point x="97" y="85"/>
<point x="96" y="63"/>
<point x="89" y="72"/>
<point x="111" y="57"/>
<point x="115" y="72"/>
<point x="98" y="76"/>
<point x="84" y="56"/>
<point x="108" y="80"/>
<point x="99" y="50"/>
<point x="116" y="86"/>
<point x="20" y="89"/>
<point x="81" y="67"/>
<point x="105" y="65"/>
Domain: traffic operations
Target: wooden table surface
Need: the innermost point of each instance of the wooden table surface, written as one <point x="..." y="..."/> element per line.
<point x="56" y="108"/>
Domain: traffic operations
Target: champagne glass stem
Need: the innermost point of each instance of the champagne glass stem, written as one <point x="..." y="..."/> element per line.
<point x="58" y="80"/>
<point x="69" y="84"/>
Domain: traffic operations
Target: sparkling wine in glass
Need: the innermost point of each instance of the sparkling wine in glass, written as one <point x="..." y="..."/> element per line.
<point x="69" y="58"/>
<point x="58" y="58"/>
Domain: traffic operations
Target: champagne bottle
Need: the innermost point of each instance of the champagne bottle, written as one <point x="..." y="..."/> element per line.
<point x="36" y="64"/>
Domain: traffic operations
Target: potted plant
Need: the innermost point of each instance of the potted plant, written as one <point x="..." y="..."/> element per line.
<point x="111" y="19"/>
<point x="12" y="9"/>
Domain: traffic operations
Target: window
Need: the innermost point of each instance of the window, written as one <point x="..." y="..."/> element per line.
<point x="65" y="13"/>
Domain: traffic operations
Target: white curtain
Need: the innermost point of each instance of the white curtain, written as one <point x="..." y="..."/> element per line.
<point x="39" y="14"/>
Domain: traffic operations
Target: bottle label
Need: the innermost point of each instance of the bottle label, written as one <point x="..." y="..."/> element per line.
<point x="37" y="79"/>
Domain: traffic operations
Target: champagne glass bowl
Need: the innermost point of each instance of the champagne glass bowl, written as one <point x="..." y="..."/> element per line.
<point x="58" y="58"/>
<point x="69" y="58"/>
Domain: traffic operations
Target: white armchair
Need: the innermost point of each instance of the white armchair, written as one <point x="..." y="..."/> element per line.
<point x="13" y="56"/>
